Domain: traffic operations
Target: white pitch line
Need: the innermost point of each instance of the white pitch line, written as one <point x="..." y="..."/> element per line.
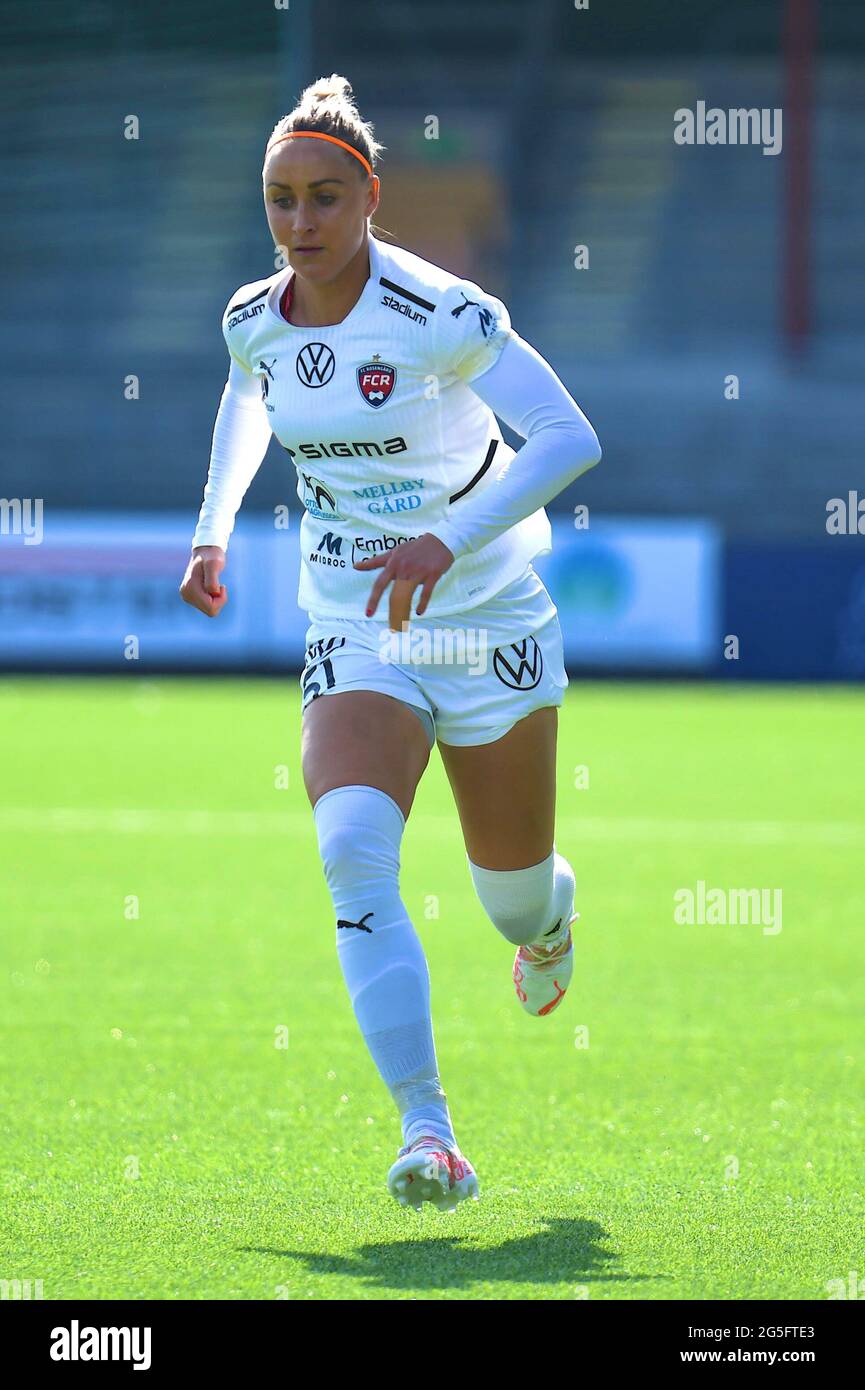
<point x="117" y="821"/>
<point x="745" y="832"/>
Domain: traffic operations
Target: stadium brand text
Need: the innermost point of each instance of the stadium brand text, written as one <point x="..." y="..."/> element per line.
<point x="406" y="309"/>
<point x="249" y="313"/>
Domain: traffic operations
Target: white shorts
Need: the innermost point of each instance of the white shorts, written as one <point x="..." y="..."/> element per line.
<point x="469" y="677"/>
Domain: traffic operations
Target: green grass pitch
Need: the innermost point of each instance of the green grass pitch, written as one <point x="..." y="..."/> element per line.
<point x="158" y="1141"/>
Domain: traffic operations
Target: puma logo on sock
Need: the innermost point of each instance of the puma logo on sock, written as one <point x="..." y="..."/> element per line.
<point x="340" y="922"/>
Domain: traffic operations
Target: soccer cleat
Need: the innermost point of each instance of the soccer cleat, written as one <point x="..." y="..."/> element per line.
<point x="541" y="974"/>
<point x="427" y="1171"/>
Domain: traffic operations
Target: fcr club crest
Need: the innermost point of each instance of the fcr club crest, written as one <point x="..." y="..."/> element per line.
<point x="375" y="381"/>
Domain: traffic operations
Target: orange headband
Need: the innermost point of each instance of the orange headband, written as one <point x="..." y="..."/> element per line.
<point x="319" y="135"/>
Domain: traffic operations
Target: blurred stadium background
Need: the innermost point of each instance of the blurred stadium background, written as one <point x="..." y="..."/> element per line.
<point x="708" y="516"/>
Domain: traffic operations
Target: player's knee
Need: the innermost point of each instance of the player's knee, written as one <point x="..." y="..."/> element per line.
<point x="335" y="846"/>
<point x="518" y="927"/>
<point x="359" y="831"/>
<point x="525" y="903"/>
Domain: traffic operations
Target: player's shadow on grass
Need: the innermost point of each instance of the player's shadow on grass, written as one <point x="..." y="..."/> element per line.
<point x="568" y="1251"/>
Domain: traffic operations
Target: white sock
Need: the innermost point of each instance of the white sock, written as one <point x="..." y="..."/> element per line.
<point x="528" y="906"/>
<point x="380" y="953"/>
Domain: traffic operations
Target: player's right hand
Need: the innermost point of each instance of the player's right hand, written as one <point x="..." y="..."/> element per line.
<point x="201" y="587"/>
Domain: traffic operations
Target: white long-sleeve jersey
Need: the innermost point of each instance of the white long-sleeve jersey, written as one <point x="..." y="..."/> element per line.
<point x="388" y="418"/>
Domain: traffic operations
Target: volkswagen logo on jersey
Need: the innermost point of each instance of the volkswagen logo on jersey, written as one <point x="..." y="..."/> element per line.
<point x="375" y="381"/>
<point x="317" y="500"/>
<point x="519" y="665"/>
<point x="315" y="365"/>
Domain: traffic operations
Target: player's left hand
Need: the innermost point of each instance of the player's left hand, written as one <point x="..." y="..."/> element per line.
<point x="420" y="561"/>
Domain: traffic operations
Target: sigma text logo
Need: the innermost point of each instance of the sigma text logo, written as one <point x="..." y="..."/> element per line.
<point x="76" y="1343"/>
<point x="389" y="497"/>
<point x="357" y="448"/>
<point x="317" y="500"/>
<point x="315" y="365"/>
<point x="520" y="664"/>
<point x="738" y="126"/>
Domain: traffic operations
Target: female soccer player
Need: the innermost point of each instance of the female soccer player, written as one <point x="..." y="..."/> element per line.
<point x="381" y="375"/>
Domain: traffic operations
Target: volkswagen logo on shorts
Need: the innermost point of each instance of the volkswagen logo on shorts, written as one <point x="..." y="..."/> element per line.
<point x="519" y="665"/>
<point x="315" y="365"/>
